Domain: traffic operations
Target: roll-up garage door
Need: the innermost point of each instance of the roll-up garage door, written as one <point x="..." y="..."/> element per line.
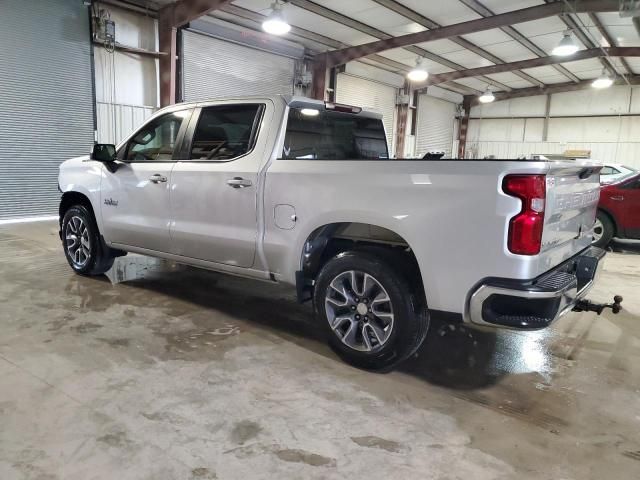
<point x="214" y="68"/>
<point x="434" y="131"/>
<point x="371" y="96"/>
<point x="46" y="100"/>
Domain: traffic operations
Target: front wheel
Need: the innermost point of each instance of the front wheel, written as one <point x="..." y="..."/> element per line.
<point x="373" y="316"/>
<point x="82" y="244"/>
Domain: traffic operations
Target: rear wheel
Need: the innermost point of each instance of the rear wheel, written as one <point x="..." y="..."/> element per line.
<point x="603" y="230"/>
<point x="373" y="316"/>
<point x="83" y="247"/>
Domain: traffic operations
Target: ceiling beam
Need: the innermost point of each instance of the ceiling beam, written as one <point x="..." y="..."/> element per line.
<point x="374" y="32"/>
<point x="483" y="11"/>
<point x="555" y="88"/>
<point x="534" y="62"/>
<point x="609" y="39"/>
<point x="170" y="18"/>
<point x="338" y="57"/>
<point x="184" y="11"/>
<point x="420" y="19"/>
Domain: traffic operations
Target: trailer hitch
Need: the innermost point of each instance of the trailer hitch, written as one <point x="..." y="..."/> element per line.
<point x="587" y="306"/>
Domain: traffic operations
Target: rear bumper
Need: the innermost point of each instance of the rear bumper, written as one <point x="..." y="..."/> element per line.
<point x="534" y="304"/>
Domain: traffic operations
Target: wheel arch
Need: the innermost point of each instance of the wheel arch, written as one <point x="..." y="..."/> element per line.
<point x="326" y="241"/>
<point x="71" y="198"/>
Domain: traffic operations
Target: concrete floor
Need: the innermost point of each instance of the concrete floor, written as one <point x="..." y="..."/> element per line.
<point x="165" y="372"/>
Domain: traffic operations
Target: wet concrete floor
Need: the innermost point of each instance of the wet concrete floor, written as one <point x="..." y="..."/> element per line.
<point x="159" y="371"/>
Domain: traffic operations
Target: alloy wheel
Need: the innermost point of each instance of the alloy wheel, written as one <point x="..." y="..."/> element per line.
<point x="359" y="311"/>
<point x="598" y="230"/>
<point x="78" y="242"/>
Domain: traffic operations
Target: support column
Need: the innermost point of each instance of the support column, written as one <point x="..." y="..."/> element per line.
<point x="464" y="127"/>
<point x="167" y="34"/>
<point x="402" y="121"/>
<point x="545" y="127"/>
<point x="319" y="82"/>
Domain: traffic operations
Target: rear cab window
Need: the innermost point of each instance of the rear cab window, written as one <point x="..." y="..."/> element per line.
<point x="319" y="134"/>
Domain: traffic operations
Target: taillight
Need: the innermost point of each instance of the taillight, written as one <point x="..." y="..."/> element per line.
<point x="525" y="229"/>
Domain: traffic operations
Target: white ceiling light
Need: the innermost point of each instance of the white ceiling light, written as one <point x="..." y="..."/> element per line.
<point x="566" y="47"/>
<point x="275" y="24"/>
<point x="603" y="81"/>
<point x="487" y="96"/>
<point x="419" y="72"/>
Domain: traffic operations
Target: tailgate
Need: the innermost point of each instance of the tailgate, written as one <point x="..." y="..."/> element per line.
<point x="573" y="191"/>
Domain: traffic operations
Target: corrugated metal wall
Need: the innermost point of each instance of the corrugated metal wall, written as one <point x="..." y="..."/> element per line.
<point x="213" y="68"/>
<point x="435" y="127"/>
<point x="372" y="96"/>
<point x="46" y="102"/>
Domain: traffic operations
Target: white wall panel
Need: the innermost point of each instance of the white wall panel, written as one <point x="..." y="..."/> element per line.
<point x="534" y="130"/>
<point x="127" y="91"/>
<point x="127" y="78"/>
<point x="115" y="122"/>
<point x="612" y="100"/>
<point x="610" y="139"/>
<point x="634" y="103"/>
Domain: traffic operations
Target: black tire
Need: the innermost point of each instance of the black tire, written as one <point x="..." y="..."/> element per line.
<point x="608" y="230"/>
<point x="99" y="258"/>
<point x="410" y="322"/>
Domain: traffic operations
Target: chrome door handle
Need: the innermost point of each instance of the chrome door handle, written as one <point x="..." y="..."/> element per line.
<point x="617" y="198"/>
<point x="239" y="182"/>
<point x="157" y="178"/>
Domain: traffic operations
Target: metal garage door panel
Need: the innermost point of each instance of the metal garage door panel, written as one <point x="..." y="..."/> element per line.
<point x="46" y="101"/>
<point x="213" y="68"/>
<point x="435" y="125"/>
<point x="372" y="96"/>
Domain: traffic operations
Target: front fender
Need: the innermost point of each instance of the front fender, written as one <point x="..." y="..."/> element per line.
<point x="83" y="176"/>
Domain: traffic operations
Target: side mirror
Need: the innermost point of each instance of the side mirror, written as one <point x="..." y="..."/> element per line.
<point x="103" y="152"/>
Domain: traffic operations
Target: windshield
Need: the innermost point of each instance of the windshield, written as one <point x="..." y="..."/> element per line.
<point x="326" y="135"/>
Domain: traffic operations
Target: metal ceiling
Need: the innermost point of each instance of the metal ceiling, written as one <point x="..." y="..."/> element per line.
<point x="325" y="25"/>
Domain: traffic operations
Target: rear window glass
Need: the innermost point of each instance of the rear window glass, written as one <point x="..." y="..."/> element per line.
<point x="333" y="136"/>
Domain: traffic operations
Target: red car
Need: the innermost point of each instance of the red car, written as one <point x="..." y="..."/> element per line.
<point x="618" y="211"/>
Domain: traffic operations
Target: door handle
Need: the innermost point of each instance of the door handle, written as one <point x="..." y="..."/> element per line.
<point x="157" y="178"/>
<point x="617" y="198"/>
<point x="239" y="182"/>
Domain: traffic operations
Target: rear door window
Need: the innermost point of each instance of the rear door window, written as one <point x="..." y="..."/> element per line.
<point x="327" y="135"/>
<point x="225" y="132"/>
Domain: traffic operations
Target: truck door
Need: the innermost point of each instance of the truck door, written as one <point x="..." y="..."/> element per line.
<point x="135" y="197"/>
<point x="214" y="191"/>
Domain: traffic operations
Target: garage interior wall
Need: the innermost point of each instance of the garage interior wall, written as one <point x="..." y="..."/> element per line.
<point x="376" y="96"/>
<point x="127" y="90"/>
<point x="214" y="68"/>
<point x="436" y="121"/>
<point x="606" y="122"/>
<point x="46" y="101"/>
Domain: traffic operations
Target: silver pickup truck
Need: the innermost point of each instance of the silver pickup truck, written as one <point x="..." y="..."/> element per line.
<point x="303" y="192"/>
